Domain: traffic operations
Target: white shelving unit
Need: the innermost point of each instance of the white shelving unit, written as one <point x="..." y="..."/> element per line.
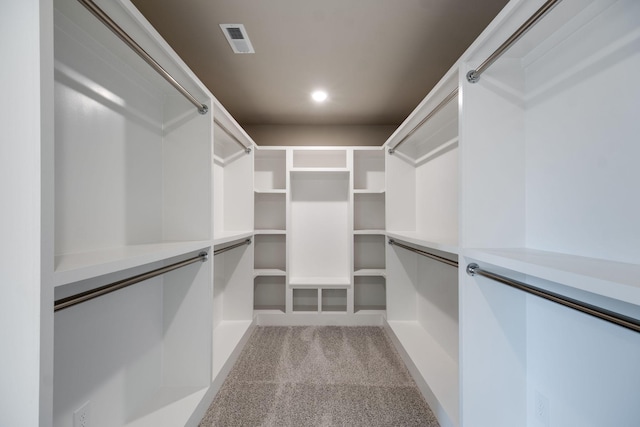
<point x="546" y="152"/>
<point x="308" y="200"/>
<point x="133" y="192"/>
<point x="422" y="212"/>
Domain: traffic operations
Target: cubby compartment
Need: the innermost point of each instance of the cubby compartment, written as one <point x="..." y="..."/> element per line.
<point x="270" y="170"/>
<point x="270" y="211"/>
<point x="369" y="253"/>
<point x="368" y="170"/>
<point x="305" y="300"/>
<point x="334" y="300"/>
<point x="319" y="159"/>
<point x="270" y="252"/>
<point x="269" y="294"/>
<point x="368" y="211"/>
<point x="369" y="293"/>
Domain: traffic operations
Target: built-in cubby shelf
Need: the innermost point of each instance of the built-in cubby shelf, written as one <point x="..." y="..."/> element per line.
<point x="269" y="293"/>
<point x="270" y="170"/>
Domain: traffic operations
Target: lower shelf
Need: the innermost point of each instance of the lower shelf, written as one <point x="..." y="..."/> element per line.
<point x="170" y="406"/>
<point x="434" y="365"/>
<point x="226" y="337"/>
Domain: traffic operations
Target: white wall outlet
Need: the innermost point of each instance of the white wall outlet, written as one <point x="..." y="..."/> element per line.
<point x="541" y="408"/>
<point x="82" y="416"/>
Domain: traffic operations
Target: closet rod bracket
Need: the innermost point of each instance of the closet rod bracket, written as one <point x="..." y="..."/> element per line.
<point x="471" y="269"/>
<point x="203" y="109"/>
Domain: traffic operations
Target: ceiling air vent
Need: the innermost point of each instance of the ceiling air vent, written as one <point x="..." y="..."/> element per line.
<point x="237" y="37"/>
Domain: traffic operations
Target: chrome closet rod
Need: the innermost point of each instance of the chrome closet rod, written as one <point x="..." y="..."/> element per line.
<point x="228" y="248"/>
<point x="433" y="112"/>
<point x="474" y="75"/>
<point x="72" y="300"/>
<point x="425" y="254"/>
<point x="118" y="31"/>
<point x="583" y="307"/>
<point x="228" y="132"/>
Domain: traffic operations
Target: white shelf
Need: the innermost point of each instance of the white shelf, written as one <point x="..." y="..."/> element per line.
<point x="424" y="241"/>
<point x="264" y="272"/>
<point x="271" y="191"/>
<point x="169" y="406"/>
<point x="438" y="369"/>
<point x="366" y="191"/>
<point x="270" y="231"/>
<point x="370" y="272"/>
<point x="371" y="232"/>
<point x="85" y="265"/>
<point x="225" y="339"/>
<point x="317" y="282"/>
<point x="321" y="170"/>
<point x="611" y="279"/>
<point x="230" y="236"/>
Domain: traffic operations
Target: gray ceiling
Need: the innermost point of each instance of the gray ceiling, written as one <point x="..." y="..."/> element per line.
<point x="376" y="58"/>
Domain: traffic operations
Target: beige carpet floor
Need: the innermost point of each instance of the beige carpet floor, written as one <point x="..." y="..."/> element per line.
<point x="319" y="376"/>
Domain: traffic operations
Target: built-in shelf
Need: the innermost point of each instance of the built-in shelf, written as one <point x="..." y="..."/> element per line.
<point x="320" y="170"/>
<point x="363" y="272"/>
<point x="370" y="232"/>
<point x="611" y="279"/>
<point x="319" y="281"/>
<point x="271" y="191"/>
<point x="439" y="370"/>
<point x="85" y="265"/>
<point x="230" y="236"/>
<point x="270" y="232"/>
<point x="266" y="272"/>
<point x="424" y="241"/>
<point x="360" y="191"/>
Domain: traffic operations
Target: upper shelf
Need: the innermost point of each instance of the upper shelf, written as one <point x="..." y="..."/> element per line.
<point x="425" y="241"/>
<point x="617" y="280"/>
<point x="71" y="268"/>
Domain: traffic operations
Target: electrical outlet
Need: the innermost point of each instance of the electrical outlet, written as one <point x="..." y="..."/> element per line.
<point x="541" y="408"/>
<point x="82" y="416"/>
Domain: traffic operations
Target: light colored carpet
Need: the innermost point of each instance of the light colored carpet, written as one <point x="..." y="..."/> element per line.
<point x="319" y="376"/>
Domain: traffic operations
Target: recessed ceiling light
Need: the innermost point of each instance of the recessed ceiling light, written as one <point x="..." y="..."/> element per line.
<point x="319" y="96"/>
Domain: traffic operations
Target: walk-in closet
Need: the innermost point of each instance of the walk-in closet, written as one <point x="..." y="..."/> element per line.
<point x="491" y="236"/>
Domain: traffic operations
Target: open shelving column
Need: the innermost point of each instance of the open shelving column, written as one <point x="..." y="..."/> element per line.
<point x="422" y="212"/>
<point x="548" y="146"/>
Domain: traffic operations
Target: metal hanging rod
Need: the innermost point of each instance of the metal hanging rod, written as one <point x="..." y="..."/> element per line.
<point x="583" y="307"/>
<point x="228" y="248"/>
<point x="118" y="31"/>
<point x="232" y="136"/>
<point x="452" y="95"/>
<point x="426" y="254"/>
<point x="474" y="75"/>
<point x="67" y="302"/>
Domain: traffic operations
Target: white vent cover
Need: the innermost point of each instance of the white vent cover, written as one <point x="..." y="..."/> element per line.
<point x="237" y="37"/>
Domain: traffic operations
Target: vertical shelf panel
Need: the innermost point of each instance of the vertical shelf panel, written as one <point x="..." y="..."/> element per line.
<point x="320" y="226"/>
